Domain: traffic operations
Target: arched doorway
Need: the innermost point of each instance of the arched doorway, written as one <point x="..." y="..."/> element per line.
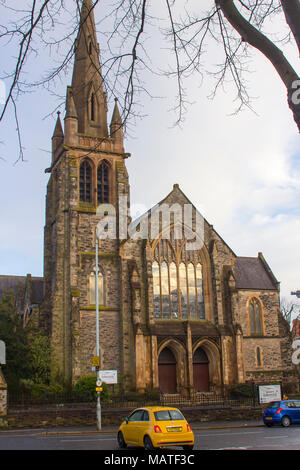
<point x="201" y="371"/>
<point x="167" y="371"/>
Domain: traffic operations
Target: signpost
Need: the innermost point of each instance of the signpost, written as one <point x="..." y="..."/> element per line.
<point x="97" y="335"/>
<point x="268" y="393"/>
<point x="96" y="361"/>
<point x="109" y="376"/>
<point x="2" y="352"/>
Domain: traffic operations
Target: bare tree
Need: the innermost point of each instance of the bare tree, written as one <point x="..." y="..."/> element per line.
<point x="235" y="26"/>
<point x="287" y="308"/>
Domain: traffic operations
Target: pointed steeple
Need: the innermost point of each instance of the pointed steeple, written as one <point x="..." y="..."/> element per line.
<point x="58" y="135"/>
<point x="71" y="120"/>
<point x="116" y="126"/>
<point x="87" y="85"/>
<point x="70" y="105"/>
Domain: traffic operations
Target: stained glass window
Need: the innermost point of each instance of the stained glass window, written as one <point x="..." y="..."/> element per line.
<point x="177" y="281"/>
<point x="165" y="299"/>
<point x="255" y="319"/>
<point x="174" y="291"/>
<point x="156" y="290"/>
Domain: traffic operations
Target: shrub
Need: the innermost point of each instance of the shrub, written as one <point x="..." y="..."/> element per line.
<point x="40" y="392"/>
<point x="241" y="390"/>
<point x="85" y="389"/>
<point x="152" y="394"/>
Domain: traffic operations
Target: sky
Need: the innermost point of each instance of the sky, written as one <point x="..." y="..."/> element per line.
<point x="242" y="171"/>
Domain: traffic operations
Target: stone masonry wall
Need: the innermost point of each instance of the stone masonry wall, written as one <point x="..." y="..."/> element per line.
<point x="3" y="400"/>
<point x="85" y="415"/>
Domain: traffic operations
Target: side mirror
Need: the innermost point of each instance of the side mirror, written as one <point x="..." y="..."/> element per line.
<point x="126" y="419"/>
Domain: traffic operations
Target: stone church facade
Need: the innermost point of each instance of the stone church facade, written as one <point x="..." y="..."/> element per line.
<point x="170" y="318"/>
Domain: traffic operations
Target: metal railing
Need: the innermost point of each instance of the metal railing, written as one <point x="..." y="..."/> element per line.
<point x="125" y="401"/>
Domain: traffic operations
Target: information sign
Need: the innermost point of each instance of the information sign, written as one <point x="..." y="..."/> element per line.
<point x="109" y="376"/>
<point x="2" y="352"/>
<point x="268" y="393"/>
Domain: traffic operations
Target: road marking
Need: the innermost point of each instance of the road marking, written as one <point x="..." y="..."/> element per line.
<point x="232" y="448"/>
<point x="230" y="433"/>
<point x="275" y="437"/>
<point x="86" y="440"/>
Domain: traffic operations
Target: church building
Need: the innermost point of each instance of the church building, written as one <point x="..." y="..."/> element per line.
<point x="171" y="317"/>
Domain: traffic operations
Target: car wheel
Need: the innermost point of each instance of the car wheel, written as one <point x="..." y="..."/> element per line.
<point x="122" y="444"/>
<point x="285" y="421"/>
<point x="187" y="447"/>
<point x="148" y="443"/>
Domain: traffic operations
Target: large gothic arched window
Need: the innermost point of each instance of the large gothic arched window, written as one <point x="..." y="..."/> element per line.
<point x="177" y="281"/>
<point x="103" y="182"/>
<point x="85" y="182"/>
<point x="255" y="317"/>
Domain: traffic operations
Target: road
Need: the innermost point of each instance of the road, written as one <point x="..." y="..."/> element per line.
<point x="207" y="438"/>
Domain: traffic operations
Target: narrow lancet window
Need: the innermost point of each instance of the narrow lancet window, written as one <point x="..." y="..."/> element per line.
<point x="92" y="107"/>
<point x="85" y="182"/>
<point x="92" y="288"/>
<point x="255" y="318"/>
<point x="103" y="183"/>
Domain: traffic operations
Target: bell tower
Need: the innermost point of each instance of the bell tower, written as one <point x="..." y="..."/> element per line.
<point x="87" y="170"/>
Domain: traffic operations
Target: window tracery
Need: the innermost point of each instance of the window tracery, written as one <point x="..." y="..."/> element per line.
<point x="103" y="182"/>
<point x="255" y="317"/>
<point x="177" y="281"/>
<point x="85" y="182"/>
<point x="92" y="288"/>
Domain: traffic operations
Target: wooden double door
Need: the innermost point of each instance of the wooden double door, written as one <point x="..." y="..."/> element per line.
<point x="167" y="371"/>
<point x="201" y="371"/>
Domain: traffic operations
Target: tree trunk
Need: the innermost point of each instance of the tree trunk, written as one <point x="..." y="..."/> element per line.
<point x="291" y="10"/>
<point x="257" y="39"/>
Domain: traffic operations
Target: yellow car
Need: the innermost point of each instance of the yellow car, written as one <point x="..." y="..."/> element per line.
<point x="156" y="426"/>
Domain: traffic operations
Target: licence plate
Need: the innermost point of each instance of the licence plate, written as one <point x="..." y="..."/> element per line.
<point x="174" y="429"/>
<point x="269" y="418"/>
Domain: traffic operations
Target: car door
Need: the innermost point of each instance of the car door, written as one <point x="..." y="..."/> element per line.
<point x="296" y="411"/>
<point x="142" y="427"/>
<point x="131" y="428"/>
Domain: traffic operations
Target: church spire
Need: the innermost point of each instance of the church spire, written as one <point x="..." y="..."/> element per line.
<point x="87" y="85"/>
<point x="58" y="135"/>
<point x="116" y="126"/>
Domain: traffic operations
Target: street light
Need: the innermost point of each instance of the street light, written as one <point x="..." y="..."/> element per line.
<point x="98" y="411"/>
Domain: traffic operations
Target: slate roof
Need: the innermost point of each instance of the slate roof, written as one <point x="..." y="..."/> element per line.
<point x="13" y="282"/>
<point x="254" y="273"/>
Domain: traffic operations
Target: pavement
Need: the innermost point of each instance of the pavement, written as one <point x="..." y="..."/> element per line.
<point x="196" y="426"/>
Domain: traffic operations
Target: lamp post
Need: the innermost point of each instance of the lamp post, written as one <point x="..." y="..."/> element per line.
<point x="98" y="412"/>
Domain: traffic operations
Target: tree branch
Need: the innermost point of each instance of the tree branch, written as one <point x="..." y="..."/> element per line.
<point x="291" y="9"/>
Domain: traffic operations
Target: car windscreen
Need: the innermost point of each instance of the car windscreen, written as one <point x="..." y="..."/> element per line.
<point x="274" y="404"/>
<point x="168" y="415"/>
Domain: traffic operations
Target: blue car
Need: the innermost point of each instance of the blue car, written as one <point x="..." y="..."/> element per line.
<point x="283" y="412"/>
